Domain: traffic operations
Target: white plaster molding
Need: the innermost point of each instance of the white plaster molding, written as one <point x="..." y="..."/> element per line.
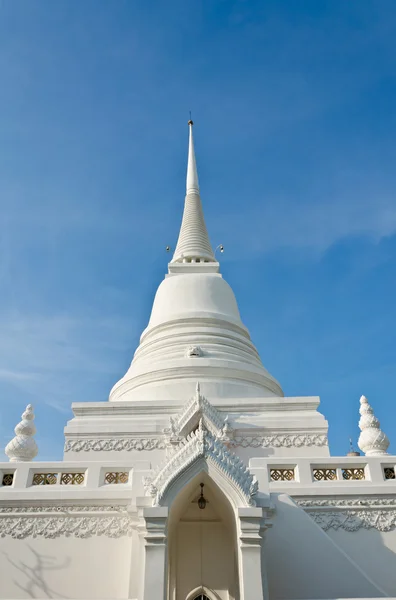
<point x="55" y="521"/>
<point x="346" y="503"/>
<point x="198" y="407"/>
<point x="194" y="352"/>
<point x="280" y="440"/>
<point x="114" y="444"/>
<point x="202" y="444"/>
<point x="372" y="440"/>
<point x="352" y="514"/>
<point x="355" y="520"/>
<point x="171" y="432"/>
<point x="23" y="447"/>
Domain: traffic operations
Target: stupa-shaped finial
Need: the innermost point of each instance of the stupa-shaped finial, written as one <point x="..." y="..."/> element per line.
<point x="193" y="245"/>
<point x="372" y="441"/>
<point x="23" y="447"/>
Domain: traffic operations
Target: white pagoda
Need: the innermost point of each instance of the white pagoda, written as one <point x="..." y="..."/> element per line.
<point x="198" y="479"/>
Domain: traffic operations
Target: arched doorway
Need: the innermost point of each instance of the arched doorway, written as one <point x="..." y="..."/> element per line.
<point x="202" y="593"/>
<point x="202" y="559"/>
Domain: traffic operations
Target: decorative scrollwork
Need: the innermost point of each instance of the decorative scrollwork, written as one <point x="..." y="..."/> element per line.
<point x="18" y="522"/>
<point x="280" y="441"/>
<point x="354" y="520"/>
<point x="114" y="445"/>
<point x="201" y="443"/>
<point x="351" y="514"/>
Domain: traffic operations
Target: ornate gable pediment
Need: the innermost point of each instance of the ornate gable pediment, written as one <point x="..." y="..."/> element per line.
<point x="202" y="444"/>
<point x="196" y="409"/>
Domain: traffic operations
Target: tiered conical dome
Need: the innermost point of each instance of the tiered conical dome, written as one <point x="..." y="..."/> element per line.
<point x="195" y="332"/>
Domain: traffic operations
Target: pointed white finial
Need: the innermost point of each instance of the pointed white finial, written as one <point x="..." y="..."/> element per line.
<point x="23" y="447"/>
<point x="192" y="185"/>
<point x="193" y="245"/>
<point x="372" y="441"/>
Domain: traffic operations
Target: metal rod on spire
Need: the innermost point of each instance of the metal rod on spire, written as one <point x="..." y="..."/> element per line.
<point x="192" y="185"/>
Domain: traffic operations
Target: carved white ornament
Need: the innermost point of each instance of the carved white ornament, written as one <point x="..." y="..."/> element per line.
<point x="194" y="352"/>
<point x="114" y="444"/>
<point x="352" y="514"/>
<point x="347" y="503"/>
<point x="281" y="440"/>
<point x="372" y="440"/>
<point x="23" y="447"/>
<point x="201" y="443"/>
<point x="130" y="444"/>
<point x="195" y="409"/>
<point x="56" y="521"/>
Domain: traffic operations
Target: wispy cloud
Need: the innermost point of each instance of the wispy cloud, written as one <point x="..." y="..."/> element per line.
<point x="311" y="224"/>
<point x="52" y="358"/>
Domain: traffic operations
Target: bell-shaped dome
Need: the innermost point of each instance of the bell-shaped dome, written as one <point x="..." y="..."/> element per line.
<point x="195" y="332"/>
<point x="200" y="295"/>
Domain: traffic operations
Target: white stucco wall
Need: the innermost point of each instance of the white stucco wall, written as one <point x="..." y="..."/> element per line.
<point x="66" y="567"/>
<point x="303" y="561"/>
<point x="374" y="551"/>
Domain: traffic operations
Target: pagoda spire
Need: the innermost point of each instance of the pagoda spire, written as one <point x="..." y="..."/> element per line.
<point x="23" y="447"/>
<point x="372" y="441"/>
<point x="193" y="245"/>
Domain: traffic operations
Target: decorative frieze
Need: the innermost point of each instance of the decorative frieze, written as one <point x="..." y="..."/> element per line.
<point x="139" y="444"/>
<point x="280" y="441"/>
<point x="114" y="444"/>
<point x="352" y="514"/>
<point x="56" y="521"/>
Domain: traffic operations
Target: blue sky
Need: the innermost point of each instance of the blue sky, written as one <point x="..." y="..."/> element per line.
<point x="294" y="106"/>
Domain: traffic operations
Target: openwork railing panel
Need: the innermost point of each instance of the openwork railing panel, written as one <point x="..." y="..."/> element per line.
<point x="45" y="479"/>
<point x="116" y="477"/>
<point x="389" y="473"/>
<point x="282" y="474"/>
<point x="357" y="474"/>
<point x="8" y="479"/>
<point x="324" y="474"/>
<point x="72" y="478"/>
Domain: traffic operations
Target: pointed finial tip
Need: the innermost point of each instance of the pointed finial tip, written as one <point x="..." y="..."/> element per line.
<point x="363" y="400"/>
